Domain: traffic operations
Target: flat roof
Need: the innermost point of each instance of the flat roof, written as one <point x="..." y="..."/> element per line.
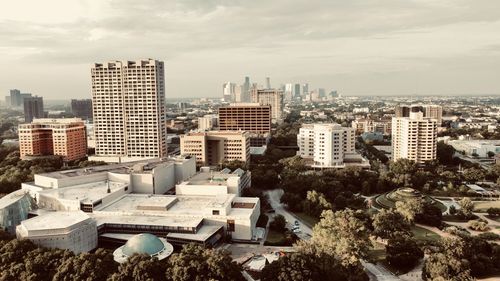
<point x="201" y="235"/>
<point x="85" y="193"/>
<point x="54" y="220"/>
<point x="145" y="166"/>
<point x="142" y="219"/>
<point x="209" y="178"/>
<point x="12" y="198"/>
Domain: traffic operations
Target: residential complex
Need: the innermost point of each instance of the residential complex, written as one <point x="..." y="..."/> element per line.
<point x="213" y="148"/>
<point x="428" y="110"/>
<point x="366" y="125"/>
<point x="63" y="137"/>
<point x="33" y="108"/>
<point x="207" y="122"/>
<point x="82" y="108"/>
<point x="328" y="145"/>
<point x="128" y="100"/>
<point x="414" y="137"/>
<point x="271" y="97"/>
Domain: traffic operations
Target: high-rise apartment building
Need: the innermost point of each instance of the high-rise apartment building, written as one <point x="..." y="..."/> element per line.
<point x="428" y="110"/>
<point x="64" y="137"/>
<point x="215" y="147"/>
<point x="33" y="108"/>
<point x="16" y="98"/>
<point x="82" y="108"/>
<point x="128" y="99"/>
<point x="414" y="137"/>
<point x="272" y="97"/>
<point x="326" y="144"/>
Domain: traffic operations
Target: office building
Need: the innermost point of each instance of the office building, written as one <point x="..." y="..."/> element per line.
<point x="82" y="108"/>
<point x="296" y="91"/>
<point x="16" y="98"/>
<point x="428" y="110"/>
<point x="128" y="99"/>
<point x="245" y="90"/>
<point x="33" y="108"/>
<point x="273" y="98"/>
<point x="268" y="83"/>
<point x="213" y="148"/>
<point x="207" y="122"/>
<point x="414" y="137"/>
<point x="326" y="144"/>
<point x="229" y="91"/>
<point x="250" y="117"/>
<point x="62" y="137"/>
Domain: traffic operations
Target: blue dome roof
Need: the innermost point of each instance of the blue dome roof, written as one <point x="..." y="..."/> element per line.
<point x="143" y="243"/>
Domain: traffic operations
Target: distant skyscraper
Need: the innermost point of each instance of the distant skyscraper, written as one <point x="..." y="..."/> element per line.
<point x="16" y="98"/>
<point x="272" y="97"/>
<point x="321" y="92"/>
<point x="268" y="83"/>
<point x="245" y="93"/>
<point x="228" y="91"/>
<point x="82" y="108"/>
<point x="305" y="89"/>
<point x="296" y="91"/>
<point x="128" y="100"/>
<point x="414" y="137"/>
<point x="33" y="108"/>
<point x="288" y="92"/>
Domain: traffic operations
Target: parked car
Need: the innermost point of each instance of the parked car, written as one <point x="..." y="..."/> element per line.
<point x="297" y="222"/>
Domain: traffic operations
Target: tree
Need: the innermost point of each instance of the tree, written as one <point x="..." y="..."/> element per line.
<point x="493" y="212"/>
<point x="466" y="206"/>
<point x="387" y="223"/>
<point x="403" y="251"/>
<point x="445" y="153"/>
<point x="430" y="215"/>
<point x="473" y="174"/>
<point x="84" y="265"/>
<point x="340" y="234"/>
<point x="403" y="169"/>
<point x="140" y="267"/>
<point x="448" y="263"/>
<point x="278" y="223"/>
<point x="478" y="225"/>
<point x="196" y="263"/>
<point x="315" y="203"/>
<point x="409" y="208"/>
<point x="293" y="267"/>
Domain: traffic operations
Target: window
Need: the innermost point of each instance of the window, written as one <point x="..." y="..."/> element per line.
<point x="215" y="212"/>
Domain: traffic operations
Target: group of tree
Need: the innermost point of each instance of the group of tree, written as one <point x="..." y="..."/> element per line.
<point x="339" y="241"/>
<point x="462" y="258"/>
<point x="23" y="260"/>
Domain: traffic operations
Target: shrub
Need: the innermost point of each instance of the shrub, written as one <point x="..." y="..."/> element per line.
<point x="478" y="225"/>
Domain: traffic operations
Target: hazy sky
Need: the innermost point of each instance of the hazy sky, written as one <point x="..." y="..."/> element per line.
<point x="358" y="47"/>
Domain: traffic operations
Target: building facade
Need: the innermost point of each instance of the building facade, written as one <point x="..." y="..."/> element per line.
<point x="273" y="98"/>
<point x="128" y="100"/>
<point x="207" y="122"/>
<point x="414" y="137"/>
<point x="82" y="108"/>
<point x="33" y="108"/>
<point x="63" y="137"/>
<point x="213" y="148"/>
<point x="326" y="144"/>
<point x="428" y="110"/>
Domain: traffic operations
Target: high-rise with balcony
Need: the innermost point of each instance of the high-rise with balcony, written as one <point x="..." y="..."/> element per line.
<point x="128" y="100"/>
<point x="272" y="97"/>
<point x="414" y="137"/>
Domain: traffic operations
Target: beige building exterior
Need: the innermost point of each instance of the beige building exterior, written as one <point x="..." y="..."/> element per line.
<point x="429" y="111"/>
<point x="414" y="138"/>
<point x="215" y="147"/>
<point x="271" y="97"/>
<point x="326" y="144"/>
<point x="63" y="137"/>
<point x="128" y="100"/>
<point x="365" y="125"/>
<point x="207" y="122"/>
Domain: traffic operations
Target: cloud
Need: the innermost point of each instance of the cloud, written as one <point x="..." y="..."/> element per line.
<point x="214" y="41"/>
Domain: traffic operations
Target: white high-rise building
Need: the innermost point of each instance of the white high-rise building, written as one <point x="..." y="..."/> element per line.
<point x="207" y="122"/>
<point x="228" y="91"/>
<point x="128" y="100"/>
<point x="327" y="144"/>
<point x="272" y="97"/>
<point x="414" y="137"/>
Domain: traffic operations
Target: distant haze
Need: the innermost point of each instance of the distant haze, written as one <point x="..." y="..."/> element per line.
<point x="359" y="47"/>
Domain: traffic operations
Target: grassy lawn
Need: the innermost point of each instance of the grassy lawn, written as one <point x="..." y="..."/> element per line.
<point x="307" y="219"/>
<point x="275" y="237"/>
<point x="482" y="206"/>
<point x="424" y="234"/>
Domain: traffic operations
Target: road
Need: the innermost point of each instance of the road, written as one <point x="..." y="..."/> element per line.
<point x="274" y="199"/>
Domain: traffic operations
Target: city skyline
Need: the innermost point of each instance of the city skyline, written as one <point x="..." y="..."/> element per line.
<point x="395" y="48"/>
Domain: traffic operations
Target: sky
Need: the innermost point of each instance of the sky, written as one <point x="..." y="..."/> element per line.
<point x="358" y="47"/>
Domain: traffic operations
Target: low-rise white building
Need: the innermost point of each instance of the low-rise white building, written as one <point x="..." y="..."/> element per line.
<point x="74" y="231"/>
<point x="478" y="148"/>
<point x="208" y="182"/>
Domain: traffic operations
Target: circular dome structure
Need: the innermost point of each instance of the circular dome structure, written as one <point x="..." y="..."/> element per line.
<point x="144" y="243"/>
<point x="388" y="200"/>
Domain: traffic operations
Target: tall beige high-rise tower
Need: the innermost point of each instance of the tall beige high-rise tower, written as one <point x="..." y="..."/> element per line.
<point x="414" y="137"/>
<point x="128" y="100"/>
<point x="272" y="97"/>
